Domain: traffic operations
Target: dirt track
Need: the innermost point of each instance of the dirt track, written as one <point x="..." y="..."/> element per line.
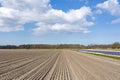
<point x="56" y="65"/>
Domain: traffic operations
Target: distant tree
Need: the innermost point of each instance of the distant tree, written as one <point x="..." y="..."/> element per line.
<point x="116" y="45"/>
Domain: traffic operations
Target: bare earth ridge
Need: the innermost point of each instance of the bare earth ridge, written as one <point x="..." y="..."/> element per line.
<point x="56" y="65"/>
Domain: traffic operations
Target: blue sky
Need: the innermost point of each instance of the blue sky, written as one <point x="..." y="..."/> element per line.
<point x="59" y="22"/>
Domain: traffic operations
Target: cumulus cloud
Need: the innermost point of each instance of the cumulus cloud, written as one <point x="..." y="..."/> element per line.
<point x="59" y="21"/>
<point x="15" y="13"/>
<point x="8" y="21"/>
<point x="113" y="7"/>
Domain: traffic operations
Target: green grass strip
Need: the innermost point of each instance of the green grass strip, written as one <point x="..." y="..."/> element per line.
<point x="104" y="55"/>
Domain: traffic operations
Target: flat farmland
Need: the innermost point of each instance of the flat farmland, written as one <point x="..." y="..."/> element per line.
<point x="56" y="65"/>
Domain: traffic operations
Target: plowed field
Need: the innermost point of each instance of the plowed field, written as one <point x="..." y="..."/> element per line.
<point x="56" y="65"/>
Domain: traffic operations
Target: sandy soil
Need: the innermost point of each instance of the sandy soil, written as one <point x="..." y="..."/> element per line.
<point x="56" y="65"/>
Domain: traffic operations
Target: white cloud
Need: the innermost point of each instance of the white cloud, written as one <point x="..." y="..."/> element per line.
<point x="98" y="11"/>
<point x="59" y="21"/>
<point x="9" y="20"/>
<point x="116" y="21"/>
<point x="15" y="13"/>
<point x="113" y="7"/>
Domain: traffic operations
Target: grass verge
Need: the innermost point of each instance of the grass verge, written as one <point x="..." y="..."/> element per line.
<point x="105" y="55"/>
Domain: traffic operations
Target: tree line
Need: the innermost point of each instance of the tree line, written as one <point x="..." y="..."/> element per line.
<point x="115" y="45"/>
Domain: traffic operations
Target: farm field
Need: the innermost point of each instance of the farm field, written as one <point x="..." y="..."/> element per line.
<point x="56" y="65"/>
